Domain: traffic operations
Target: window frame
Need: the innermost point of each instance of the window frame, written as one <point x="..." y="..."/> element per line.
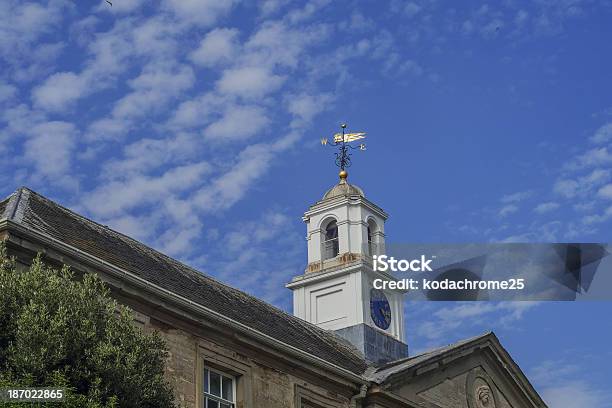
<point x="207" y="395"/>
<point x="330" y="247"/>
<point x="372" y="237"/>
<point x="221" y="359"/>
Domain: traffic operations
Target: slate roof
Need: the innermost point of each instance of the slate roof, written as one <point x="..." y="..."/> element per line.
<point x="381" y="373"/>
<point x="36" y="212"/>
<point x="3" y="206"/>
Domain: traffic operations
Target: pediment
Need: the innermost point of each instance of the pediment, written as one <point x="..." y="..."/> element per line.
<point x="472" y="389"/>
<point x="475" y="374"/>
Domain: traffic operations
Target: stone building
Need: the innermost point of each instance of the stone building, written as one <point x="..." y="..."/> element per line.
<point x="345" y="346"/>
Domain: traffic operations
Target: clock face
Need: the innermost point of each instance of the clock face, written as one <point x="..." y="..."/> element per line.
<point x="380" y="309"/>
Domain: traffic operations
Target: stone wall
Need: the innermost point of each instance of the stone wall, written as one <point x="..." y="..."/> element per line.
<point x="181" y="366"/>
<point x="260" y="384"/>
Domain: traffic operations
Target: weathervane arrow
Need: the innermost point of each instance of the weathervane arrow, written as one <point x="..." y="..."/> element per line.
<point x="342" y="141"/>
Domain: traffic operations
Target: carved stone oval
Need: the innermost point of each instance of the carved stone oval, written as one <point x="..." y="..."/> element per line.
<point x="480" y="390"/>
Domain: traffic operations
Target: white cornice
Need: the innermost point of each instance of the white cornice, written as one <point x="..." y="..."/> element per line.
<point x="313" y="277"/>
<point x="326" y="205"/>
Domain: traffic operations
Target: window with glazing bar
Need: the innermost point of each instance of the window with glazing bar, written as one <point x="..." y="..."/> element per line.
<point x="219" y="389"/>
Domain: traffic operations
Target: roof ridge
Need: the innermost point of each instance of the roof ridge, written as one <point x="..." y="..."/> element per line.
<point x="16" y="205"/>
<point x="80" y="216"/>
<point x="434" y="350"/>
<point x="4" y="204"/>
<point x="128" y="238"/>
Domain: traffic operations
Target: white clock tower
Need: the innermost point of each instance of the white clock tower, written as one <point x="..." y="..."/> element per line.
<point x="344" y="230"/>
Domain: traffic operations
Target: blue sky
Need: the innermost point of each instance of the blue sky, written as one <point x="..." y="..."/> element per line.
<point x="194" y="126"/>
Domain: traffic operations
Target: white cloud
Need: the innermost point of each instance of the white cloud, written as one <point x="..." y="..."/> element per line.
<point x="60" y="90"/>
<point x="448" y="319"/>
<point x="156" y="84"/>
<point x="574" y="394"/>
<point x="116" y="197"/>
<point x="7" y="91"/>
<point x="199" y="111"/>
<point x="137" y="227"/>
<point x="50" y="148"/>
<point x="146" y="155"/>
<point x="411" y="9"/>
<point x="546" y="207"/>
<point x="237" y="123"/>
<point x="598" y="218"/>
<point x="107" y="129"/>
<point x="179" y="237"/>
<point x="507" y="210"/>
<point x="198" y="12"/>
<point x="591" y="158"/>
<point x="309" y="9"/>
<point x="516" y="197"/>
<point x="270" y="233"/>
<point x="594" y="178"/>
<point x="111" y="53"/>
<point x="32" y="18"/>
<point x="566" y="188"/>
<point x="153" y="89"/>
<point x="279" y="44"/>
<point x="218" y="46"/>
<point x="537" y="232"/>
<point x="22" y="23"/>
<point x="249" y="82"/>
<point x="585" y="206"/>
<point x="253" y="161"/>
<point x="19" y="121"/>
<point x="108" y="53"/>
<point x="491" y="28"/>
<point x="357" y="23"/>
<point x="583" y="185"/>
<point x="306" y="106"/>
<point x="521" y="18"/>
<point x="605" y="192"/>
<point x="413" y="68"/>
<point x="263" y="229"/>
<point x="467" y="27"/>
<point x="231" y="186"/>
<point x="563" y="385"/>
<point x="268" y="7"/>
<point x="603" y="134"/>
<point x="156" y="37"/>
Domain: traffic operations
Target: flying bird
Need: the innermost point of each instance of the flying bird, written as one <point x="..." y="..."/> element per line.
<point x="109" y="3"/>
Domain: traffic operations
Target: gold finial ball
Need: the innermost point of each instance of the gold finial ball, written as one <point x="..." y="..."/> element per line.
<point x="343" y="175"/>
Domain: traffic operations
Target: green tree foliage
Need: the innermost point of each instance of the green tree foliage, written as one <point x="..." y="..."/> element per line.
<point x="56" y="330"/>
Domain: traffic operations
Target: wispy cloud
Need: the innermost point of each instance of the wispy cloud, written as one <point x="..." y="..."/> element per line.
<point x="603" y="134"/>
<point x="581" y="186"/>
<point x="219" y="46"/>
<point x="461" y="319"/>
<point x="565" y="384"/>
<point x="508" y="209"/>
<point x="516" y="197"/>
<point x="546" y="207"/>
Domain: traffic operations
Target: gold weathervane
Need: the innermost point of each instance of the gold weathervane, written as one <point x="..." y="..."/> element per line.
<point x="342" y="140"/>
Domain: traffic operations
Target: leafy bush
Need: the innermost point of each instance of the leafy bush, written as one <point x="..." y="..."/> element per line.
<point x="56" y="330"/>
